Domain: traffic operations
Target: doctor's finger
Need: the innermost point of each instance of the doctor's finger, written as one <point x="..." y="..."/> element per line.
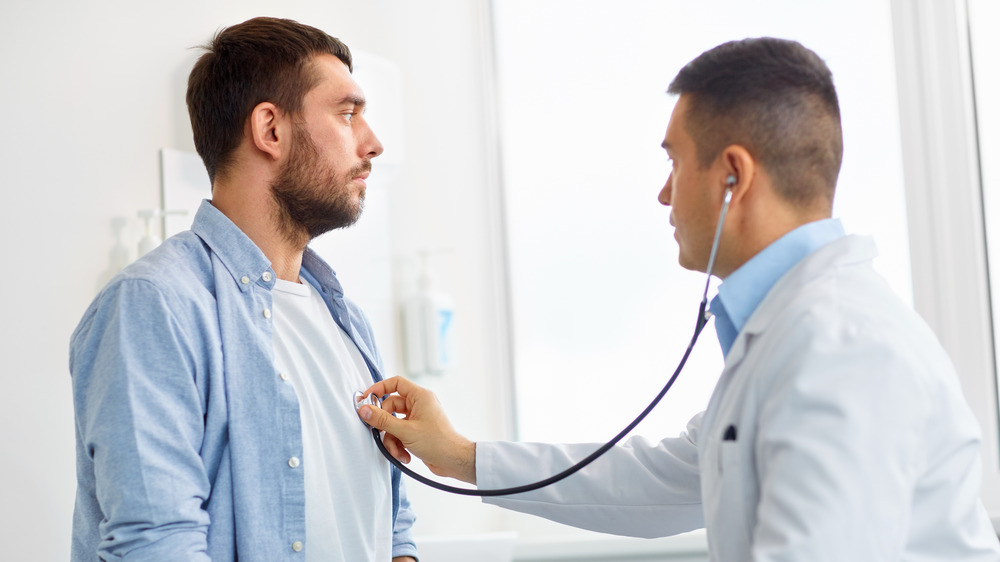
<point x="396" y="404"/>
<point x="378" y="389"/>
<point x="403" y="386"/>
<point x="396" y="448"/>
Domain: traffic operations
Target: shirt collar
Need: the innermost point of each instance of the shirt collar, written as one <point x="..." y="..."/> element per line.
<point x="241" y="257"/>
<point x="744" y="289"/>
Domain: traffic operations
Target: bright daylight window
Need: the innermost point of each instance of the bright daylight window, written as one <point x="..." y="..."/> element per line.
<point x="601" y="312"/>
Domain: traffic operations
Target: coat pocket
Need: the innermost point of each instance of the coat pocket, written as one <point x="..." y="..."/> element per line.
<point x="734" y="521"/>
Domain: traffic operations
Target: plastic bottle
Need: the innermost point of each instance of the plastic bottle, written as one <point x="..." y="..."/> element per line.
<point x="428" y="323"/>
<point x="149" y="240"/>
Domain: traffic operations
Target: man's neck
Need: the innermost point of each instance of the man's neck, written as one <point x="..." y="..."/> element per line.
<point x="255" y="213"/>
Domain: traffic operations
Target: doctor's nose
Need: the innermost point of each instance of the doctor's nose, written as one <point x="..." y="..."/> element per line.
<point x="664" y="196"/>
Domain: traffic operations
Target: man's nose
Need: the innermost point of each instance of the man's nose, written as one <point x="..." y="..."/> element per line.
<point x="371" y="147"/>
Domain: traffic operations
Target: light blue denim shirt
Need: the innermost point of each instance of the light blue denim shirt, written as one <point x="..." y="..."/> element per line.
<point x="744" y="289"/>
<point x="184" y="428"/>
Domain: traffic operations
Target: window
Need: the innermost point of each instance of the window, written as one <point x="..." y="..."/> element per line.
<point x="600" y="310"/>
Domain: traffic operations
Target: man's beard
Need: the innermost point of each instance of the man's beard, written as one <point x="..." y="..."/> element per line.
<point x="309" y="194"/>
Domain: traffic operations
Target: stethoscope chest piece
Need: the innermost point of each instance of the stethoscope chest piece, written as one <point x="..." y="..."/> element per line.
<point x="371" y="400"/>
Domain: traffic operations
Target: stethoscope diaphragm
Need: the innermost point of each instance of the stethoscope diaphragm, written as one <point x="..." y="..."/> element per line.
<point x="371" y="400"/>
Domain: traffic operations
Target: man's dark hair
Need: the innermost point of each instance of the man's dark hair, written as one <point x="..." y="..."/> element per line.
<point x="262" y="59"/>
<point x="776" y="99"/>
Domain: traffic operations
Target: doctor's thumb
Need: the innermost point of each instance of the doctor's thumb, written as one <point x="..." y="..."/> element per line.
<point x="377" y="418"/>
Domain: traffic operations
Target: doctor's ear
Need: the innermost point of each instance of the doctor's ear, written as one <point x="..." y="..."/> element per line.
<point x="738" y="166"/>
<point x="267" y="129"/>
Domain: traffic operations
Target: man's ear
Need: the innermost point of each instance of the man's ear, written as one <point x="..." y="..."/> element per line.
<point x="268" y="129"/>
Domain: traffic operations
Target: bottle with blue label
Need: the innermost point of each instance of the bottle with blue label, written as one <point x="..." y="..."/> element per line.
<point x="428" y="324"/>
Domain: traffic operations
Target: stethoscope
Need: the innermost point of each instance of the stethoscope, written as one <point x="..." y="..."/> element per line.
<point x="703" y="317"/>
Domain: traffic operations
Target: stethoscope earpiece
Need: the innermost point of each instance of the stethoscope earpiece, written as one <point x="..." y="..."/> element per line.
<point x="730" y="181"/>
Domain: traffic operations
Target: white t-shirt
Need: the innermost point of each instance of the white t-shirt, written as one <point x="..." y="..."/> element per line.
<point x="347" y="481"/>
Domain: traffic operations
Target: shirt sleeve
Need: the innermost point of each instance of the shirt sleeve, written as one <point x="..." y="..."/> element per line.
<point x="403" y="543"/>
<point x="637" y="489"/>
<point x="139" y="418"/>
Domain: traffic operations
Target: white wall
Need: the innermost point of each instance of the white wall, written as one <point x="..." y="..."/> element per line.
<point x="90" y="92"/>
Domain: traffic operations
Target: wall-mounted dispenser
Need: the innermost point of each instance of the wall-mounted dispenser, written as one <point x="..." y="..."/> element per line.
<point x="428" y="327"/>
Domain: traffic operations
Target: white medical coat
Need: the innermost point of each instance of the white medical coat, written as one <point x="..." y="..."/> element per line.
<point x="848" y="439"/>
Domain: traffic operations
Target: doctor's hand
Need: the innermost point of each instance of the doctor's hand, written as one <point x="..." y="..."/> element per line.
<point x="424" y="432"/>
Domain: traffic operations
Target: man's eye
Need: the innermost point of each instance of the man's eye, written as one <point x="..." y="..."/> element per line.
<point x="348" y="116"/>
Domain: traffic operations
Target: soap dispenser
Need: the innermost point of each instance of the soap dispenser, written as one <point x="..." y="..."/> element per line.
<point x="428" y="325"/>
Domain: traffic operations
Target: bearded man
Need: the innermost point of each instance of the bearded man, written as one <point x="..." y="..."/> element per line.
<point x="210" y="377"/>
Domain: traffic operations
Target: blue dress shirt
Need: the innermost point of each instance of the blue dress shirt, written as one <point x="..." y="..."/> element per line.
<point x="744" y="289"/>
<point x="184" y="428"/>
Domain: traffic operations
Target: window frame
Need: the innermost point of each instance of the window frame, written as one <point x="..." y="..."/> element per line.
<point x="944" y="194"/>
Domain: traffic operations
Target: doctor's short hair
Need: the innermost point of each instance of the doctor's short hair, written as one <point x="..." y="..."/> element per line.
<point x="259" y="60"/>
<point x="775" y="98"/>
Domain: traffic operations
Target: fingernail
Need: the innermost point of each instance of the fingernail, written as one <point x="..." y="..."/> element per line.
<point x="366" y="412"/>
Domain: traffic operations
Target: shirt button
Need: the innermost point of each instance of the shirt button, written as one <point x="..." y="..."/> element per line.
<point x="283" y="376"/>
<point x="266" y="276"/>
<point x="244" y="279"/>
<point x="297" y="546"/>
<point x="267" y="313"/>
<point x="293" y="462"/>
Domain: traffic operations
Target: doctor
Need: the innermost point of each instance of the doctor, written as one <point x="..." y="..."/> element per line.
<point x="837" y="430"/>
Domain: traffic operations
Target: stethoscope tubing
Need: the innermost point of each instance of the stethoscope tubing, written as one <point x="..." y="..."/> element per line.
<point x="703" y="316"/>
<point x="376" y="434"/>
